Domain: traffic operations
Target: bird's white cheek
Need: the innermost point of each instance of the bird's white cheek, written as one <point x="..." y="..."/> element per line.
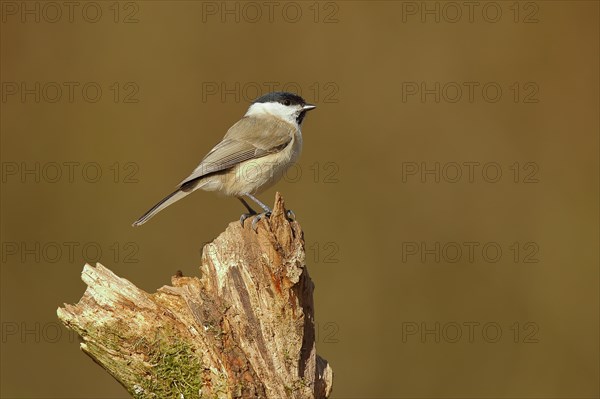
<point x="276" y="109"/>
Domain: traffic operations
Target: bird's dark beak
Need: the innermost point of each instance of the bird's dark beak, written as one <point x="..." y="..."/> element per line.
<point x="308" y="107"/>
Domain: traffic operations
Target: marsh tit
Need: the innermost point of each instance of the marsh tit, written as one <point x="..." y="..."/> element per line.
<point x="252" y="156"/>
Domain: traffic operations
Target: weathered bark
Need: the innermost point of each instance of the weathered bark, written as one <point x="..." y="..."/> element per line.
<point x="245" y="329"/>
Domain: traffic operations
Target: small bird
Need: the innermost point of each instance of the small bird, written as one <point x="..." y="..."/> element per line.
<point x="252" y="156"/>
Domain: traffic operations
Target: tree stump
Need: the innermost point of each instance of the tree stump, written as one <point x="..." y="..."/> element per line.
<point x="244" y="329"/>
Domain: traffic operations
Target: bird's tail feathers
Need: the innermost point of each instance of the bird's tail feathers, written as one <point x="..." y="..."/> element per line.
<point x="165" y="202"/>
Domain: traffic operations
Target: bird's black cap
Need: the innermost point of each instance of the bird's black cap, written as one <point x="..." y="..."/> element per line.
<point x="282" y="97"/>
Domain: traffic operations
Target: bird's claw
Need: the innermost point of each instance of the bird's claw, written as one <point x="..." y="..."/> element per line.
<point x="245" y="216"/>
<point x="290" y="215"/>
<point x="258" y="218"/>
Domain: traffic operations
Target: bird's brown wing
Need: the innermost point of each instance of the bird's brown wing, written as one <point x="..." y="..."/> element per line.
<point x="249" y="138"/>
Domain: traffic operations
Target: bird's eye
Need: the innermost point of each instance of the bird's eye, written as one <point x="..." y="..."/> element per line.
<point x="287" y="102"/>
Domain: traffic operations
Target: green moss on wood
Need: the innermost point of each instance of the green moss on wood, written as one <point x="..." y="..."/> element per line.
<point x="165" y="366"/>
<point x="174" y="371"/>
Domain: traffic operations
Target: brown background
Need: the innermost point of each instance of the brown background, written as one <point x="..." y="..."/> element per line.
<point x="354" y="62"/>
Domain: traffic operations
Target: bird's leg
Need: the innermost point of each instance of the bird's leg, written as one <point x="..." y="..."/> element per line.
<point x="257" y="218"/>
<point x="246" y="215"/>
<point x="267" y="212"/>
<point x="250" y="210"/>
<point x="256" y="200"/>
